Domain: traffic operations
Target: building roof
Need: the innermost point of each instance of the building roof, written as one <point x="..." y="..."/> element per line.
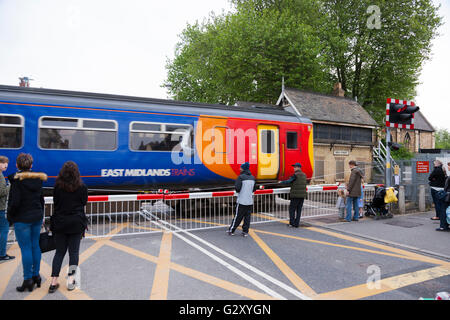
<point x="322" y="107"/>
<point x="421" y="123"/>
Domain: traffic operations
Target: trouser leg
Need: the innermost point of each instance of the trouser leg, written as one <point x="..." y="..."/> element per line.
<point x="61" y="248"/>
<point x="293" y="206"/>
<point x="23" y="236"/>
<point x="4" y="229"/>
<point x="443" y="215"/>
<point x="298" y="212"/>
<point x="247" y="217"/>
<point x="35" y="248"/>
<point x="74" y="250"/>
<point x="237" y="218"/>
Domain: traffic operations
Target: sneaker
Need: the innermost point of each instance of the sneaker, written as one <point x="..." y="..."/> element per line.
<point x="5" y="258"/>
<point x="244" y="234"/>
<point x="230" y="233"/>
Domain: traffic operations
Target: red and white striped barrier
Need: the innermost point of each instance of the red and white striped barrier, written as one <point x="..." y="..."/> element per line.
<point x="200" y="195"/>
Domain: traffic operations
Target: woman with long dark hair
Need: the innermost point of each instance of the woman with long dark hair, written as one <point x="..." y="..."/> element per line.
<point x="68" y="221"/>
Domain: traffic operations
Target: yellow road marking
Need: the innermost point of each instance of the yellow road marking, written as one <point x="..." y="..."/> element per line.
<point x="333" y="244"/>
<point x="161" y="278"/>
<point x="77" y="293"/>
<point x="8" y="268"/>
<point x="246" y="292"/>
<point x="402" y="253"/>
<point x="385" y="285"/>
<point x="284" y="268"/>
<point x="205" y="222"/>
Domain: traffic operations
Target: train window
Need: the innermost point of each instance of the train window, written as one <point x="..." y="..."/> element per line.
<point x="59" y="122"/>
<point x="95" y="124"/>
<point x="11" y="131"/>
<point x="145" y="127"/>
<point x="159" y="136"/>
<point x="291" y="138"/>
<point x="77" y="134"/>
<point x="268" y="141"/>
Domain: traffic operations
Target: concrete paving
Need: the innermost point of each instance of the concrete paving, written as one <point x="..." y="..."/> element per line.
<point x="323" y="259"/>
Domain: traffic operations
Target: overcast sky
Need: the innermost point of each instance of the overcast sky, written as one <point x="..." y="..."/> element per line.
<point x="121" y="47"/>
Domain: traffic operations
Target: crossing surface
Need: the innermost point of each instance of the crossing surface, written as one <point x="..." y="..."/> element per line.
<point x="323" y="259"/>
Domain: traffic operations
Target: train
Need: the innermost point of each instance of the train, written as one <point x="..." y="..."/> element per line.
<point x="135" y="143"/>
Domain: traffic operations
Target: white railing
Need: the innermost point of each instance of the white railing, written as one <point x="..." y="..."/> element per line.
<point x="129" y="215"/>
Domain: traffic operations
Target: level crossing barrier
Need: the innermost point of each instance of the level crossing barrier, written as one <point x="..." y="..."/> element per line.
<point x="136" y="214"/>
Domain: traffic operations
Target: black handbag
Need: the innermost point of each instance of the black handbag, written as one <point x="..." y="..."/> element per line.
<point x="47" y="241"/>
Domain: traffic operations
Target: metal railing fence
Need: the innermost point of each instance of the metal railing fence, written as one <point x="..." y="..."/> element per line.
<point x="129" y="215"/>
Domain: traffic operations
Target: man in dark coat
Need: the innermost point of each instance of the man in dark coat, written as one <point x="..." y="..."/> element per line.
<point x="354" y="191"/>
<point x="298" y="194"/>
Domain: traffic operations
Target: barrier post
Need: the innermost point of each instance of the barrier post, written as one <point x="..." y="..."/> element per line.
<point x="422" y="198"/>
<point x="401" y="200"/>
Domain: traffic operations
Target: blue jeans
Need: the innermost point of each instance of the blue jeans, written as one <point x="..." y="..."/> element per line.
<point x="27" y="235"/>
<point x="4" y="229"/>
<point x="352" y="202"/>
<point x="437" y="202"/>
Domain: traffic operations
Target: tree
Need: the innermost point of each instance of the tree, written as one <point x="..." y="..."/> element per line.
<point x="375" y="62"/>
<point x="312" y="43"/>
<point x="244" y="56"/>
<point x="442" y="139"/>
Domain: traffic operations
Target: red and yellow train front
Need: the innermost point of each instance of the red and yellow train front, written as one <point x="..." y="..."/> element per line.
<point x="271" y="147"/>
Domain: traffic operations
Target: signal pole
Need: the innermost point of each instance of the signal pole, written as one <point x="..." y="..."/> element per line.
<point x="388" y="158"/>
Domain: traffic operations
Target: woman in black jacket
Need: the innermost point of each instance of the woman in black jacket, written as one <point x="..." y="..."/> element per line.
<point x="26" y="212"/>
<point x="437" y="181"/>
<point x="68" y="221"/>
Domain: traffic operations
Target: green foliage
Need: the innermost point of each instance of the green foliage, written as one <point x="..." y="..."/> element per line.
<point x="243" y="55"/>
<point x="402" y="154"/>
<point x="442" y="139"/>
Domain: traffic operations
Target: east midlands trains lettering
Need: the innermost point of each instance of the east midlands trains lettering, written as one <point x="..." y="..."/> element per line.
<point x="135" y="172"/>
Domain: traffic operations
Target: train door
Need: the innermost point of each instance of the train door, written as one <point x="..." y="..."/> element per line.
<point x="268" y="152"/>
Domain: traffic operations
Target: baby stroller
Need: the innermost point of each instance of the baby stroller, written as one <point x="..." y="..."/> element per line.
<point x="377" y="207"/>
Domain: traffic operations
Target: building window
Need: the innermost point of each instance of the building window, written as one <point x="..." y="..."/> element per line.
<point x="291" y="138"/>
<point x="77" y="134"/>
<point x="340" y="169"/>
<point x="11" y="131"/>
<point x="335" y="133"/>
<point x="146" y="136"/>
<point x="319" y="169"/>
<point x="407" y="141"/>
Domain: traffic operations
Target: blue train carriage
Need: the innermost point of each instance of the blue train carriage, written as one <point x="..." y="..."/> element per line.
<point x="123" y="142"/>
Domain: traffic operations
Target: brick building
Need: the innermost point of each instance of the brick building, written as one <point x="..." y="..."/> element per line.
<point x="343" y="131"/>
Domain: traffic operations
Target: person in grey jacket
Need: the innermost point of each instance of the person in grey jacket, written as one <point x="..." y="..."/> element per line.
<point x="353" y="191"/>
<point x="4" y="224"/>
<point x="245" y="186"/>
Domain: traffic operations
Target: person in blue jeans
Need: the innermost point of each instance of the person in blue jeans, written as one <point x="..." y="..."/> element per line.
<point x="4" y="224"/>
<point x="26" y="212"/>
<point x="354" y="191"/>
